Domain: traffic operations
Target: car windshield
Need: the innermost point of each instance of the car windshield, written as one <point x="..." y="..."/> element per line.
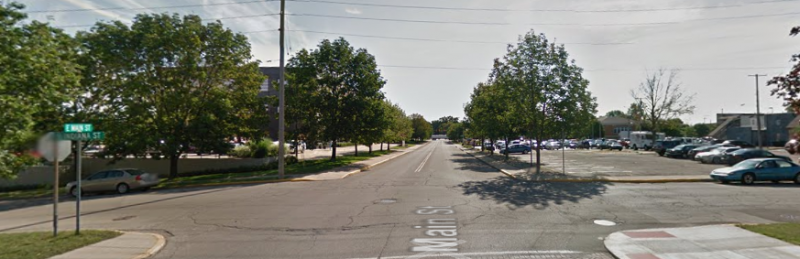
<point x="747" y="164"/>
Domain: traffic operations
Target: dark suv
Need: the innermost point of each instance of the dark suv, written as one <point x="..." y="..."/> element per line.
<point x="661" y="146"/>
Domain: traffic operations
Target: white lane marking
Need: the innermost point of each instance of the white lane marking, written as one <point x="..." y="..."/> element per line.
<point x="419" y="168"/>
<point x="535" y="252"/>
<point x="606" y="223"/>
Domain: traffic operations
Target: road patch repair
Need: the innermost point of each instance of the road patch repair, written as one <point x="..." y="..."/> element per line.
<point x="524" y="172"/>
<point x="715" y="241"/>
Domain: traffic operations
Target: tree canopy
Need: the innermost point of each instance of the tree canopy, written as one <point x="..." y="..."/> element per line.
<point x="663" y="98"/>
<point x="787" y="86"/>
<point x="39" y="73"/>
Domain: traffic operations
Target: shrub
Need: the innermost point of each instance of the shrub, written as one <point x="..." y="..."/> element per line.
<point x="291" y="160"/>
<point x="240" y="151"/>
<point x="260" y="149"/>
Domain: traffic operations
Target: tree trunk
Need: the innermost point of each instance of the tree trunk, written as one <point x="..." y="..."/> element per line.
<point x="506" y="148"/>
<point x="389" y="146"/>
<point x="173" y="165"/>
<point x="381" y="146"/>
<point x="370" y="148"/>
<point x="333" y="150"/>
<point x="296" y="146"/>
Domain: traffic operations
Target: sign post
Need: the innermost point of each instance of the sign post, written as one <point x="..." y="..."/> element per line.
<point x="79" y="132"/>
<point x="54" y="151"/>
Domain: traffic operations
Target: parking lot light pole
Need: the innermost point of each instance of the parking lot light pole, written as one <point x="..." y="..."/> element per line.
<point x="758" y="113"/>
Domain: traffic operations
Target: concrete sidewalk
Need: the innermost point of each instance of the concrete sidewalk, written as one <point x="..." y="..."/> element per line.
<point x="345" y="171"/>
<point x="129" y="245"/>
<point x="716" y="241"/>
<point x="524" y="171"/>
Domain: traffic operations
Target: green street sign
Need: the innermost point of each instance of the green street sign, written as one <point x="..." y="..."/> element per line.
<point x="82" y="136"/>
<point x="78" y="127"/>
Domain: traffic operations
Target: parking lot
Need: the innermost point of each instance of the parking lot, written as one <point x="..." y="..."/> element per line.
<point x="623" y="163"/>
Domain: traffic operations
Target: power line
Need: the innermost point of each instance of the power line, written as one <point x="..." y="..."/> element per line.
<point x="444" y="40"/>
<point x="587" y="70"/>
<point x="536" y="10"/>
<point x="214" y="18"/>
<point x="148" y="8"/>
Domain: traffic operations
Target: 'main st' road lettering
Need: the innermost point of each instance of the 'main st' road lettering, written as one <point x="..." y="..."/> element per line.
<point x="442" y="230"/>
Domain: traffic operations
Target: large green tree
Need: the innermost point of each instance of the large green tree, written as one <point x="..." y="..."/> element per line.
<point x="400" y="127"/>
<point x="170" y="82"/>
<point x="345" y="86"/>
<point x="38" y="74"/>
<point x="485" y="111"/>
<point x="616" y="113"/>
<point x="422" y="128"/>
<point x="441" y="125"/>
<point x="543" y="89"/>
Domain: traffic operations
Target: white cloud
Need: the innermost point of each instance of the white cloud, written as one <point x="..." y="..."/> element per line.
<point x="351" y="10"/>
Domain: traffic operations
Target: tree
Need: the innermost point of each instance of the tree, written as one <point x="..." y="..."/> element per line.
<point x="484" y="111"/>
<point x="182" y="82"/>
<point x="455" y="131"/>
<point x="787" y="86"/>
<point x="543" y="89"/>
<point x="616" y="113"/>
<point x="39" y="73"/>
<point x="702" y="130"/>
<point x="346" y="87"/>
<point x="441" y="125"/>
<point x="399" y="124"/>
<point x="663" y="98"/>
<point x="422" y="128"/>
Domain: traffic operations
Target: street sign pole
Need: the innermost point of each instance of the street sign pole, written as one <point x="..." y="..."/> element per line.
<point x="55" y="190"/>
<point x="78" y="155"/>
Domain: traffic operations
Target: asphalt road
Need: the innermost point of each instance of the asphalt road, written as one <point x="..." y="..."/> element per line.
<point x="376" y="213"/>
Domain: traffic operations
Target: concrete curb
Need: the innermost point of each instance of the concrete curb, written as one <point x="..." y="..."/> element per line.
<point x="592" y="180"/>
<point x="364" y="168"/>
<point x="161" y="241"/>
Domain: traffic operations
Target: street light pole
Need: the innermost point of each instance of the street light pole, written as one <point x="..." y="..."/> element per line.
<point x="758" y="112"/>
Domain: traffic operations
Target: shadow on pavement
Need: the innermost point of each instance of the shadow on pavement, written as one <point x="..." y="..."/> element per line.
<point x="539" y="195"/>
<point x="111" y="209"/>
<point x="467" y="162"/>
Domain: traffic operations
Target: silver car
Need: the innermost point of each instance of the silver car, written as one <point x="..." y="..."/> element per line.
<point x="119" y="180"/>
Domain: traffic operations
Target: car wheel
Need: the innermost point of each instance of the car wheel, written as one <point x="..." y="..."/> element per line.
<point x="748" y="178"/>
<point x="635" y="148"/>
<point x="123" y="188"/>
<point x="797" y="179"/>
<point x="717" y="160"/>
<point x="74" y="191"/>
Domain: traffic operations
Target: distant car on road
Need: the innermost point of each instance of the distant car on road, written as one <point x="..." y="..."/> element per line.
<point x="743" y="144"/>
<point x="120" y="180"/>
<point x="748" y="153"/>
<point x="518" y="148"/>
<point x="759" y="169"/>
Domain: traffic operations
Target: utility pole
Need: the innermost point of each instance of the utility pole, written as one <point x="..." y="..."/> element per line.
<point x="281" y="100"/>
<point x="758" y="112"/>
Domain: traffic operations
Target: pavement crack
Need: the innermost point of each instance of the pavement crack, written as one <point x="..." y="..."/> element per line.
<point x="352" y="218"/>
<point x="387" y="240"/>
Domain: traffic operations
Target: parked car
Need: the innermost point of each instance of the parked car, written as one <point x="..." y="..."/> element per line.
<point x="515" y="149"/>
<point x="607" y="143"/>
<point x="626" y="142"/>
<point x="701" y="149"/>
<point x="119" y="180"/>
<point x="759" y="169"/>
<point x="488" y="146"/>
<point x="716" y="156"/>
<point x="680" y="151"/>
<point x="552" y="144"/>
<point x="613" y="144"/>
<point x="739" y="143"/>
<point x="749" y="153"/>
<point x="598" y="142"/>
<point x="661" y="146"/>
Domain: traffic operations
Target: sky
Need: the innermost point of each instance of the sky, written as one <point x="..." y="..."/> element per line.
<point x="433" y="52"/>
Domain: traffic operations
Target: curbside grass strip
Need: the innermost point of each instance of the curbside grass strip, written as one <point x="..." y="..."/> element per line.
<point x="367" y="167"/>
<point x="602" y="179"/>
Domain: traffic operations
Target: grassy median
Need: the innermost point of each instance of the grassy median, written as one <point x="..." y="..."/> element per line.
<point x="789" y="232"/>
<point x="302" y="167"/>
<point x="41" y="245"/>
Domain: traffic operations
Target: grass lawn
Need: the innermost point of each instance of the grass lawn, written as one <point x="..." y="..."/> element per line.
<point x="303" y="167"/>
<point x="789" y="232"/>
<point x="41" y="245"/>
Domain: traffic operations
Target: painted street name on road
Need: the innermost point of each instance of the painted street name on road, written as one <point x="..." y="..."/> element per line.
<point x="443" y="229"/>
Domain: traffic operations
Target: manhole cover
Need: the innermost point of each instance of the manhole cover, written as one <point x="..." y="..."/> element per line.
<point x="123" y="218"/>
<point x="387" y="201"/>
<point x="603" y="222"/>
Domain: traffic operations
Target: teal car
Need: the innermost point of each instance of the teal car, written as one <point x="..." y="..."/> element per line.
<point x="518" y="148"/>
<point x="758" y="169"/>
